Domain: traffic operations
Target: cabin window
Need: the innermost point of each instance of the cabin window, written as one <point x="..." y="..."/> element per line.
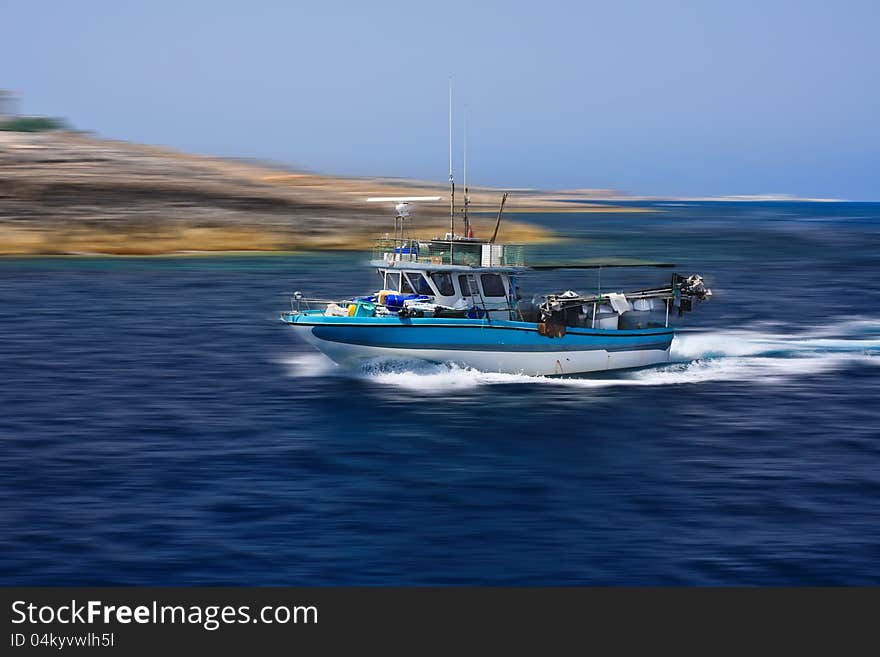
<point x="444" y="284"/>
<point x="463" y="285"/>
<point x="493" y="286"/>
<point x="392" y="281"/>
<point x="417" y="283"/>
<point x="514" y="288"/>
<point x="422" y="285"/>
<point x="405" y="286"/>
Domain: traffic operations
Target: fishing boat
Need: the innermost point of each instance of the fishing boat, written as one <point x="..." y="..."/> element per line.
<point x="456" y="299"/>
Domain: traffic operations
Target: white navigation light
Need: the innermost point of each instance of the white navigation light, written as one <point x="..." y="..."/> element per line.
<point x="401" y="203"/>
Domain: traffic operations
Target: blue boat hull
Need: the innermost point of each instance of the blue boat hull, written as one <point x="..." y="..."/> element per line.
<point x="491" y="346"/>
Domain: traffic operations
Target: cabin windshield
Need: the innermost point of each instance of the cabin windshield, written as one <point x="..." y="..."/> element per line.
<point x="416" y="283"/>
<point x="392" y="281"/>
<point x="443" y="281"/>
<point x="410" y="282"/>
<point x="449" y="287"/>
<point x="422" y="286"/>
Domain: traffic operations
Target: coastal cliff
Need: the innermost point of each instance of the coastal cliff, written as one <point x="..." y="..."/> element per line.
<point x="64" y="192"/>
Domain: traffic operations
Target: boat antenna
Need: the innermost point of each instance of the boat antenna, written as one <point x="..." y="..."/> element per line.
<point x="451" y="179"/>
<point x="467" y="231"/>
<point x="498" y="221"/>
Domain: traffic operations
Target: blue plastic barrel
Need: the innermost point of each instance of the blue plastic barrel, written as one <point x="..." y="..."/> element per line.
<point x="394" y="300"/>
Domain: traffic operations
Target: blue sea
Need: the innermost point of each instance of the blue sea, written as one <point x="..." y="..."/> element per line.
<point x="159" y="425"/>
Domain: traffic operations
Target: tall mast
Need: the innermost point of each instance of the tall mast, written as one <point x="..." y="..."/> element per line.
<point x="466" y="199"/>
<point x="451" y="179"/>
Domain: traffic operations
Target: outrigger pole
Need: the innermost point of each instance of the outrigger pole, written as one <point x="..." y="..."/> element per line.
<point x="498" y="221"/>
<point x="601" y="265"/>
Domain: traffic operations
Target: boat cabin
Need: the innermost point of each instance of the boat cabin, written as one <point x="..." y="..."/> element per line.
<point x="457" y="273"/>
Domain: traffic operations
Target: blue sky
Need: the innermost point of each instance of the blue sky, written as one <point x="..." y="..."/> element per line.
<point x="665" y="98"/>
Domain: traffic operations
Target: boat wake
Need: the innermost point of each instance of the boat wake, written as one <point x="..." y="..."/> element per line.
<point x="762" y="354"/>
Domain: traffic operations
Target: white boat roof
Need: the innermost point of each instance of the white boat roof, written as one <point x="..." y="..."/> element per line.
<point x="428" y="266"/>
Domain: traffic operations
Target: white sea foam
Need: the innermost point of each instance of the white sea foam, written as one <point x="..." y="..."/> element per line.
<point x="440" y="378"/>
<point x="309" y="364"/>
<point x="762" y="354"/>
<point x="843" y="337"/>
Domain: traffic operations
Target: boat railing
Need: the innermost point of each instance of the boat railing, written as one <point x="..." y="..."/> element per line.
<point x="300" y="304"/>
<point x="471" y="253"/>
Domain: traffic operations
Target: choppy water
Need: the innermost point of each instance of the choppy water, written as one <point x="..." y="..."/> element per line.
<point x="158" y="425"/>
